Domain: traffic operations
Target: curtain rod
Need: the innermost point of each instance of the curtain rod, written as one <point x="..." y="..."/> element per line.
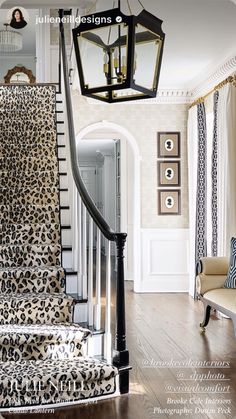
<point x="230" y="79"/>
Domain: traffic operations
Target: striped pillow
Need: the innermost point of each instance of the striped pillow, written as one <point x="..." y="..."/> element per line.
<point x="231" y="277"/>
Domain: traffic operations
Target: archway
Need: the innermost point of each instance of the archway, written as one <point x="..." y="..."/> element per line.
<point x="112" y="130"/>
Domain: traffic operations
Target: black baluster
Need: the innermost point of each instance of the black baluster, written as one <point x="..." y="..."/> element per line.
<point x="121" y="354"/>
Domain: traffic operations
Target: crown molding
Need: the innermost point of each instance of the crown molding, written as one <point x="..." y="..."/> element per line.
<point x="164" y="97"/>
<point x="223" y="71"/>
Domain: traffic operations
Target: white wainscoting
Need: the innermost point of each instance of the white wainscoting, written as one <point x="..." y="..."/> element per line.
<point x="165" y="256"/>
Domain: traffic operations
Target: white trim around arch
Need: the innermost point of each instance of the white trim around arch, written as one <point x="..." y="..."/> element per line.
<point x="124" y="133"/>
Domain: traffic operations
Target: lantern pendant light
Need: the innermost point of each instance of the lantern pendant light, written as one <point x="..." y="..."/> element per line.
<point x="119" y="56"/>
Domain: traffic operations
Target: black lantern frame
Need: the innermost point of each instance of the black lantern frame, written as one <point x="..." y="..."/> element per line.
<point x="109" y="92"/>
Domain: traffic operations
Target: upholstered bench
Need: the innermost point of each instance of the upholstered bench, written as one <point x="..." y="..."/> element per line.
<point x="212" y="274"/>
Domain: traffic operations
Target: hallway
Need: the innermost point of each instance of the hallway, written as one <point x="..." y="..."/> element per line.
<point x="160" y="328"/>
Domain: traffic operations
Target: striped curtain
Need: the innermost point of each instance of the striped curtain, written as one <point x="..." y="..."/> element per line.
<point x="201" y="204"/>
<point x="203" y="186"/>
<point x="214" y="178"/>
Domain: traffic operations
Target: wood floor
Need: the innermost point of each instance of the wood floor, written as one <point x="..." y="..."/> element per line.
<point x="163" y="330"/>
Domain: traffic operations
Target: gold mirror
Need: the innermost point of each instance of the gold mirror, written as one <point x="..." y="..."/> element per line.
<point x="19" y="75"/>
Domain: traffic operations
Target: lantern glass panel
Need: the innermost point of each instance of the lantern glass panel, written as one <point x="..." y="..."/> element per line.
<point x="147" y="55"/>
<point x="100" y="51"/>
<point x="92" y="57"/>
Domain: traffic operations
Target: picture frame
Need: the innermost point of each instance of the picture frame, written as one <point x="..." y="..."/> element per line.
<point x="169" y="202"/>
<point x="168" y="145"/>
<point x="169" y="173"/>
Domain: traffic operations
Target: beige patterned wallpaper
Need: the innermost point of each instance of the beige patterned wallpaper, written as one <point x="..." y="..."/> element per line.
<point x="143" y="121"/>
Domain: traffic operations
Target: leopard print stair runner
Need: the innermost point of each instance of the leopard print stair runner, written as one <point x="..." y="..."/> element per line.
<point x="42" y="353"/>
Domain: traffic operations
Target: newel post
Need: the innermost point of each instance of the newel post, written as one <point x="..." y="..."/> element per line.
<point x="121" y="354"/>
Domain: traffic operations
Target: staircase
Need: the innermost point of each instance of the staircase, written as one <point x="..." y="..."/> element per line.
<point x="43" y="351"/>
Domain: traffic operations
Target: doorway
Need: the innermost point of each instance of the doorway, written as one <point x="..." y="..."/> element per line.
<point x="127" y="189"/>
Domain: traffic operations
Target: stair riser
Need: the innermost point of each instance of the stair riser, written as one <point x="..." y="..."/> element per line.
<point x="67" y="259"/>
<point x="61" y="128"/>
<point x="66" y="237"/>
<point x="27" y="180"/>
<point x="63" y="166"/>
<point x="33" y="215"/>
<point x="47" y="138"/>
<point x="64" y="198"/>
<point x="60" y="106"/>
<point x="61" y="140"/>
<point x="28" y="165"/>
<point x="36" y="311"/>
<point x="72" y="285"/>
<point x="80" y="313"/>
<point x="63" y="182"/>
<point x="62" y="152"/>
<point x="11" y="351"/>
<point x="29" y="256"/>
<point x="95" y="345"/>
<point x="29" y="196"/>
<point x="49" y="285"/>
<point x="23" y="152"/>
<point x="60" y="116"/>
<point x="32" y="281"/>
<point x="65" y="217"/>
<point x="29" y="234"/>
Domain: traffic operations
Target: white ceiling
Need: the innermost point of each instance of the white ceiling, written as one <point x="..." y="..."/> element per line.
<point x="200" y="34"/>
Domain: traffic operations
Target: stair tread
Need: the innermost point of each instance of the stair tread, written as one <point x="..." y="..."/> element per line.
<point x="42" y="341"/>
<point x="29" y="234"/>
<point x="47" y="279"/>
<point x="30" y="255"/>
<point x="33" y="213"/>
<point x="29" y="205"/>
<point x="33" y="308"/>
<point x="34" y="295"/>
<point x="88" y="378"/>
<point x="91" y="368"/>
<point x="67" y="248"/>
<point x="78" y="299"/>
<point x="27" y="247"/>
<point x="92" y="329"/>
<point x="66" y="227"/>
<point x="63" y="330"/>
<point x="70" y="271"/>
<point x="44" y="226"/>
<point x="33" y="269"/>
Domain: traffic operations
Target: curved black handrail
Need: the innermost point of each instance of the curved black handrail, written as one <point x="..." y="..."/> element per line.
<point x="88" y="202"/>
<point x="120" y="354"/>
